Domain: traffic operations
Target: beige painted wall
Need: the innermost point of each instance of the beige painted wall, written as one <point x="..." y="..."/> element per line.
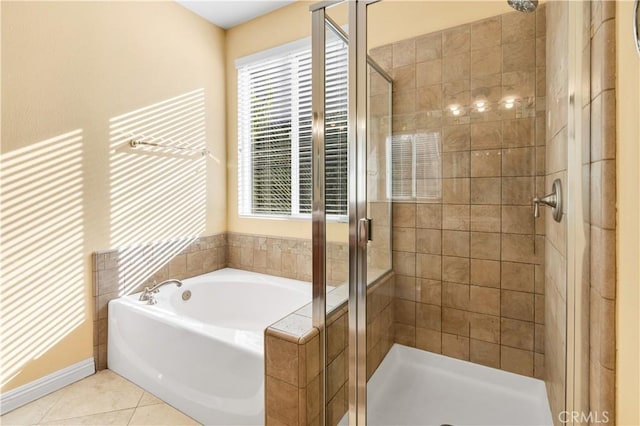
<point x="69" y="69"/>
<point x="628" y="240"/>
<point x="389" y="21"/>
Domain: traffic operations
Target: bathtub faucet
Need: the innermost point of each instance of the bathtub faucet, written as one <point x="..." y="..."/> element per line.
<point x="149" y="293"/>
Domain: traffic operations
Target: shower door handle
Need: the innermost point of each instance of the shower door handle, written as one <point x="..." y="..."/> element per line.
<point x="364" y="232"/>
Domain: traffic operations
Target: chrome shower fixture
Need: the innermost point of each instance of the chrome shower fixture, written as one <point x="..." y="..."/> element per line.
<point x="523" y="5"/>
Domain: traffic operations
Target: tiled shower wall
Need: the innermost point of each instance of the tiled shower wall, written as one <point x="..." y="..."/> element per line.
<point x="556" y="232"/>
<point x="603" y="209"/>
<point x="469" y="262"/>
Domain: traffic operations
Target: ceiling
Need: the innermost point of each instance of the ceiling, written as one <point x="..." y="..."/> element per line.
<point x="228" y="13"/>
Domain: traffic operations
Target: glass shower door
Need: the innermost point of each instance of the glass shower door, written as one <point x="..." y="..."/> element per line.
<point x="352" y="241"/>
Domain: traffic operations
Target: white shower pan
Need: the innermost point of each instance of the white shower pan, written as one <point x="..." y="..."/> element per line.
<point x="415" y="387"/>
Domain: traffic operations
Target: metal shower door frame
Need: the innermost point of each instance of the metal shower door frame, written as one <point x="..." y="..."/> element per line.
<point x="357" y="199"/>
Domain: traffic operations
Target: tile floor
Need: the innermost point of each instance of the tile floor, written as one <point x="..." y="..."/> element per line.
<point x="102" y="399"/>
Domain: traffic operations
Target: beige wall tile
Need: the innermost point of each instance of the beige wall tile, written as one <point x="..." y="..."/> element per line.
<point x="455" y="346"/>
<point x="485" y="218"/>
<point x="517" y="305"/>
<point x="404" y="239"/>
<point x="455" y="217"/>
<point x="404" y="102"/>
<point x="455" y="269"/>
<point x="455" y="243"/>
<point x="484" y="300"/>
<point x="485" y="190"/>
<point x="486" y="33"/>
<point x="486" y="61"/>
<point x="518" y="26"/>
<point x="404" y="53"/>
<point x="429" y="98"/>
<point x="427" y="216"/>
<point x="484" y="327"/>
<point x="336" y="338"/>
<point x="485" y="273"/>
<point x="486" y="163"/>
<point x="519" y="85"/>
<point x="405" y="334"/>
<point x="486" y="135"/>
<point x="456" y="164"/>
<point x="489" y="88"/>
<point x="516" y="334"/>
<point x="429" y="73"/>
<point x="518" y="276"/>
<point x="428" y="241"/>
<point x="281" y="404"/>
<point x="484" y="353"/>
<point x="457" y="92"/>
<point x="430" y="291"/>
<point x="456" y="67"/>
<point x="520" y="248"/>
<point x="518" y="190"/>
<point x="538" y="340"/>
<point x="515" y="58"/>
<point x="517" y="220"/>
<point x="539" y="308"/>
<point x="428" y="316"/>
<point x="456" y="138"/>
<point x="429" y="47"/>
<point x="518" y="162"/>
<point x="455" y="295"/>
<point x="405" y="311"/>
<point x="429" y="340"/>
<point x="455" y="191"/>
<point x="405" y="287"/>
<point x="485" y="245"/>
<point x="429" y="266"/>
<point x="517" y="132"/>
<point x="455" y="321"/>
<point x="404" y="78"/>
<point x="404" y="215"/>
<point x="456" y="40"/>
<point x="404" y="263"/>
<point x="516" y="360"/>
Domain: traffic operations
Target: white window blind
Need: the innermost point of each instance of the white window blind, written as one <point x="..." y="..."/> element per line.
<point x="274" y="133"/>
<point x="416" y="166"/>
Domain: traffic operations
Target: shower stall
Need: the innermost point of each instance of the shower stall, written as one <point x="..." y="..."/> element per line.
<point x="455" y="282"/>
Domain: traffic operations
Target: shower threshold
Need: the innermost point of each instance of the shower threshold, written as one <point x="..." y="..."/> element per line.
<point x="416" y="387"/>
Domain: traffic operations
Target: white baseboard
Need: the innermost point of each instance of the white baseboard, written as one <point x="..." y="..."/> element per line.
<point x="52" y="382"/>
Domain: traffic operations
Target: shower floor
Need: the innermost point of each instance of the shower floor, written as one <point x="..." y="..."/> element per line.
<point x="415" y="387"/>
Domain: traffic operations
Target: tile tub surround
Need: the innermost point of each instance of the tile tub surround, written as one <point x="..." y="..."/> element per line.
<point x="469" y="264"/>
<point x="129" y="270"/>
<point x="292" y="358"/>
<point x="101" y="399"/>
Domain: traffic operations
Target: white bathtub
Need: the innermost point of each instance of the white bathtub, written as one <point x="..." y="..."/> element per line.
<point x="204" y="356"/>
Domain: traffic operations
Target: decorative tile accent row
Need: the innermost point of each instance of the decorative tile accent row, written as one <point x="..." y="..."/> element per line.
<point x="128" y="270"/>
<point x="469" y="260"/>
<point x="292" y="359"/>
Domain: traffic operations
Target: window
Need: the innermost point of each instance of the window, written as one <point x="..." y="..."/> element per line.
<point x="415" y="163"/>
<point x="274" y="131"/>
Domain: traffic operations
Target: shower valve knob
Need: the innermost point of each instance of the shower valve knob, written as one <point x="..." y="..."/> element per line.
<point x="553" y="200"/>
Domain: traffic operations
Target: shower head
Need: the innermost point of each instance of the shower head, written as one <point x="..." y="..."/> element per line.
<point x="523" y="5"/>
